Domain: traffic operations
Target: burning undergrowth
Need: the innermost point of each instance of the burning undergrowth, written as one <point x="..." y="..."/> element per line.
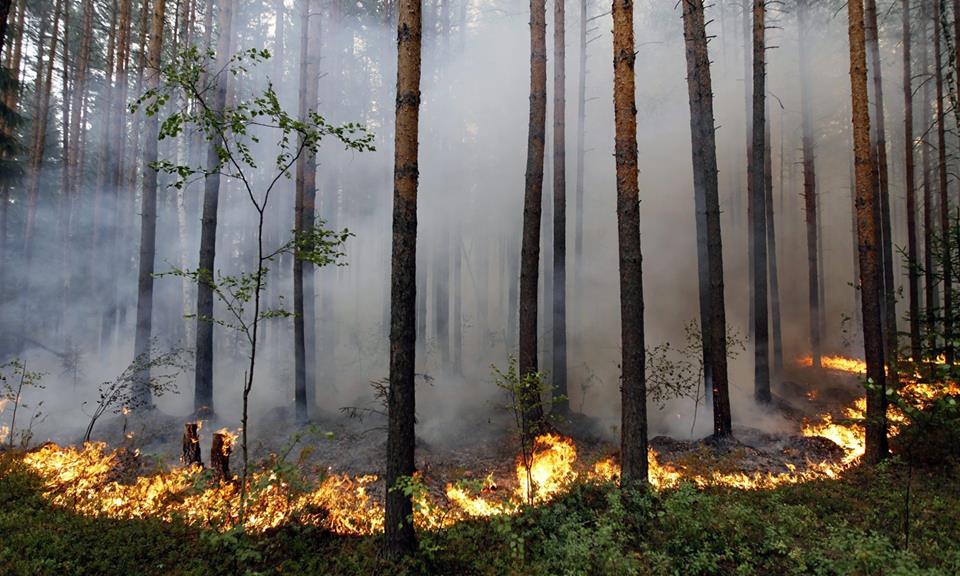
<point x="121" y="483"/>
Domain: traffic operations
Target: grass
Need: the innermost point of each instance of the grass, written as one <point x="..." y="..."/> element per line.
<point x="855" y="525"/>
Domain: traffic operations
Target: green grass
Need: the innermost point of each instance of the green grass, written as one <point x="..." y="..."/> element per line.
<point x="849" y="526"/>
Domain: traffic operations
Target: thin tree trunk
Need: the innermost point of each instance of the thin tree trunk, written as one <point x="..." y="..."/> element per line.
<point x="810" y="188"/>
<point x="581" y="154"/>
<point x="929" y="224"/>
<point x="868" y="235"/>
<point x="304" y="317"/>
<point x="559" y="307"/>
<point x="945" y="246"/>
<point x="633" y="386"/>
<point x="532" y="211"/>
<point x="748" y="130"/>
<point x="203" y="379"/>
<point x="707" y="199"/>
<point x="400" y="538"/>
<point x="883" y="187"/>
<point x="913" y="269"/>
<point x="44" y="84"/>
<point x="758" y="216"/>
<point x="773" y="271"/>
<point x="148" y="217"/>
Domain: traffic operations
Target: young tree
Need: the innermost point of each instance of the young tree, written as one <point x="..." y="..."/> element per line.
<point x="913" y="267"/>
<point x="148" y="218"/>
<point x="633" y="385"/>
<point x="871" y="282"/>
<point x="707" y="199"/>
<point x="759" y="213"/>
<point x="559" y="210"/>
<point x="809" y="185"/>
<point x="203" y="376"/>
<point x="400" y="538"/>
<point x="532" y="211"/>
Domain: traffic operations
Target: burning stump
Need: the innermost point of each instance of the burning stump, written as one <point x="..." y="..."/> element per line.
<point x="220" y="452"/>
<point x="191" y="445"/>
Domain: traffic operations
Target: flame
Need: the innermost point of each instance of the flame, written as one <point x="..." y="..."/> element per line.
<point x="87" y="480"/>
<point x="838" y="363"/>
<point x="551" y="468"/>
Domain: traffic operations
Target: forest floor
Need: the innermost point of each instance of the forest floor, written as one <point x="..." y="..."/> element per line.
<point x="895" y="519"/>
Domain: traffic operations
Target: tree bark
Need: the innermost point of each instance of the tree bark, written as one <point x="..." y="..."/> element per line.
<point x="810" y="188"/>
<point x="772" y="269"/>
<point x="220" y="450"/>
<point x="203" y="378"/>
<point x="883" y="188"/>
<point x="561" y="402"/>
<point x="868" y="236"/>
<point x="304" y="318"/>
<point x="707" y="200"/>
<point x="929" y="224"/>
<point x="532" y="211"/>
<point x="581" y="157"/>
<point x="190" y="450"/>
<point x="758" y="216"/>
<point x="945" y="246"/>
<point x="148" y="215"/>
<point x="633" y="385"/>
<point x="400" y="538"/>
<point x="913" y="268"/>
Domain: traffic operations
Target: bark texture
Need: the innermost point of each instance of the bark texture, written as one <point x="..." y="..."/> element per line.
<point x="707" y="200"/>
<point x="633" y="387"/>
<point x="400" y="538"/>
<point x="868" y="236"/>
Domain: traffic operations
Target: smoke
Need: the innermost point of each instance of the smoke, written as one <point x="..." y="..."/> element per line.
<point x="473" y="151"/>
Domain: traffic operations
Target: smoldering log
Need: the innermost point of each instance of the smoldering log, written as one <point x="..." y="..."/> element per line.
<point x="191" y="445"/>
<point x="220" y="455"/>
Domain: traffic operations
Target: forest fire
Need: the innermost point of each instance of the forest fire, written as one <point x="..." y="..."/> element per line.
<point x="96" y="481"/>
<point x="838" y="363"/>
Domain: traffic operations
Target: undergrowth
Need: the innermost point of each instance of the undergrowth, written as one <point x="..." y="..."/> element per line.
<point x="855" y="525"/>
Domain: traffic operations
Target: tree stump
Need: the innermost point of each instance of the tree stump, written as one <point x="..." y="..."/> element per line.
<point x="191" y="445"/>
<point x="220" y="455"/>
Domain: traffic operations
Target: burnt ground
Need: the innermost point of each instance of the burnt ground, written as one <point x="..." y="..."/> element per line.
<point x="335" y="442"/>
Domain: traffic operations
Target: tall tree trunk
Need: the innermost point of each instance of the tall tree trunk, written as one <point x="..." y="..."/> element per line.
<point x="72" y="184"/>
<point x="868" y="236"/>
<point x="561" y="402"/>
<point x="773" y="272"/>
<point x="929" y="224"/>
<point x="581" y="154"/>
<point x="532" y="211"/>
<point x="945" y="246"/>
<point x="913" y="268"/>
<point x="203" y="378"/>
<point x="42" y="113"/>
<point x="883" y="187"/>
<point x="633" y="382"/>
<point x="810" y="188"/>
<point x="97" y="279"/>
<point x="304" y="318"/>
<point x="148" y="216"/>
<point x="748" y="130"/>
<point x="758" y="216"/>
<point x="115" y="248"/>
<point x="400" y="538"/>
<point x="707" y="200"/>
